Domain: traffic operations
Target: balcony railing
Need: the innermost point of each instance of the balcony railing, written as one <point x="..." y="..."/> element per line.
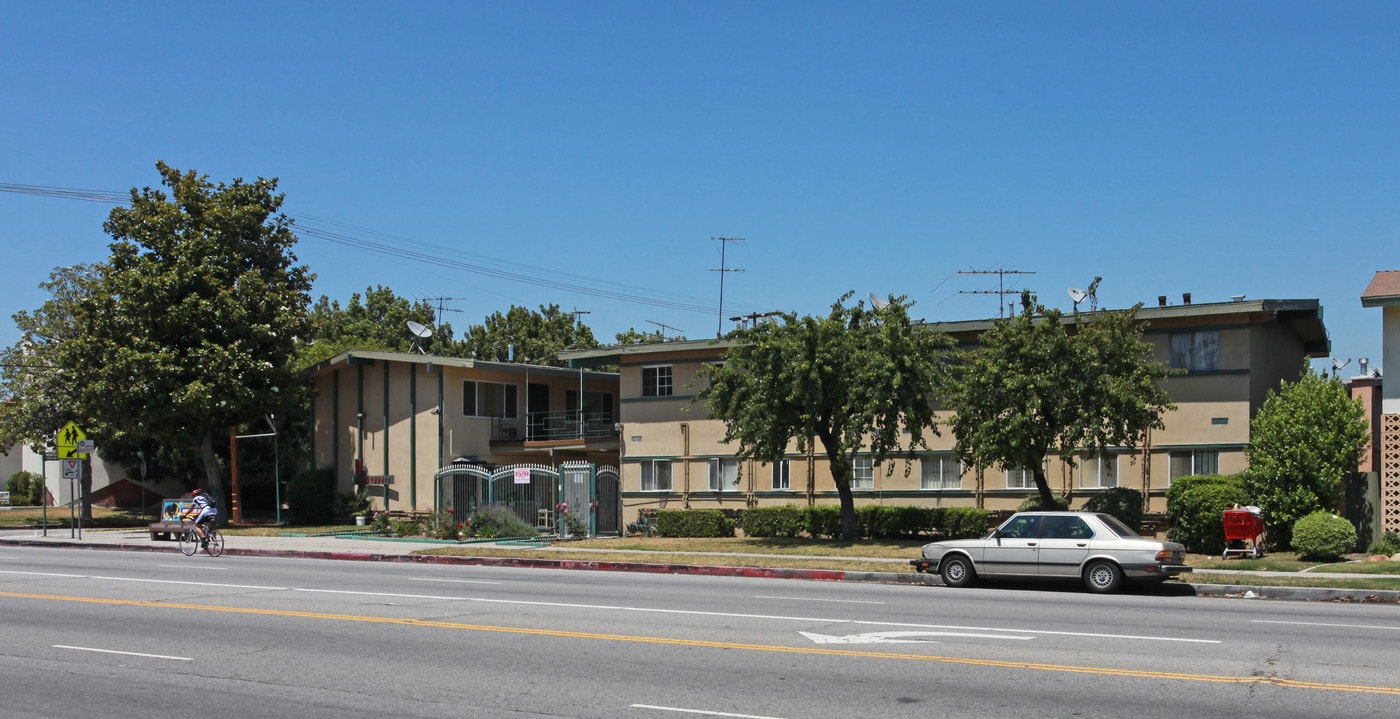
<point x="547" y="426"/>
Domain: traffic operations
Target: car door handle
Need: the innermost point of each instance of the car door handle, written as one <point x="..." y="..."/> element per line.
<point x="1030" y="544"/>
<point x="1081" y="544"/>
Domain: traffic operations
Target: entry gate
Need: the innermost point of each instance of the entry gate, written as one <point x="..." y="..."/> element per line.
<point x="535" y="492"/>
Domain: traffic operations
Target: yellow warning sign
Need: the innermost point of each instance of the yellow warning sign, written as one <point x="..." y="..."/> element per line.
<point x="68" y="439"/>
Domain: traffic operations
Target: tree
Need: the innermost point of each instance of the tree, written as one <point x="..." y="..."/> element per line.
<point x="192" y="327"/>
<point x="1033" y="388"/>
<point x="859" y="381"/>
<point x="1306" y="438"/>
<point x="522" y="335"/>
<point x="380" y="322"/>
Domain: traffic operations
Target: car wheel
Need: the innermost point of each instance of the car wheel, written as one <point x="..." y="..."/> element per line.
<point x="1103" y="577"/>
<point x="957" y="571"/>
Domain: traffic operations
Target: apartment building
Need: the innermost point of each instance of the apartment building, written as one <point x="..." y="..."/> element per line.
<point x="1230" y="353"/>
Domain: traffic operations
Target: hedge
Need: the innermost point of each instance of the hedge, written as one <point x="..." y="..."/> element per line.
<point x="693" y="523"/>
<point x="1196" y="507"/>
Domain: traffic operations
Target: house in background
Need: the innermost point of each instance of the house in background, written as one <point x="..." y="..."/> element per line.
<point x="1384" y="292"/>
<point x="1231" y="354"/>
<point x="392" y="420"/>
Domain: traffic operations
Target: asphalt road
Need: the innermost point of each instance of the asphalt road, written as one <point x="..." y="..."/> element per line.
<point x="131" y="634"/>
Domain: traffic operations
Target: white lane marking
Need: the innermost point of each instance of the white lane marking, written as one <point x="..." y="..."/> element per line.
<point x="1325" y="624"/>
<point x="701" y="711"/>
<point x="899" y="637"/>
<point x="46" y="574"/>
<point x="203" y="567"/>
<point x="816" y="599"/>
<point x="453" y="581"/>
<point x="654" y="610"/>
<point x="129" y="654"/>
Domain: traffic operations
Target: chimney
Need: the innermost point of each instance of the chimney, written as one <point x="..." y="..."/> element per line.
<point x="1185" y="298"/>
<point x="1161" y="300"/>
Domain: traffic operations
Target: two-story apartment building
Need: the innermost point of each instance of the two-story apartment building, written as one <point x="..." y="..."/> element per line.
<point x="1231" y="354"/>
<point x="392" y="420"/>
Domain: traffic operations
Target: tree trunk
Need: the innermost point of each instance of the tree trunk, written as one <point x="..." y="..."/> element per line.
<point x="213" y="478"/>
<point x="841" y="475"/>
<point x="1042" y="485"/>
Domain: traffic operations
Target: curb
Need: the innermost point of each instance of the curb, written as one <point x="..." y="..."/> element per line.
<point x="1229" y="591"/>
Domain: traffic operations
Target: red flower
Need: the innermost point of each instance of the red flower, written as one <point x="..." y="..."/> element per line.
<point x="459" y="526"/>
<point x="451" y="511"/>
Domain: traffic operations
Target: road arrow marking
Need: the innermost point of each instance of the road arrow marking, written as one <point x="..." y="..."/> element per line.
<point x="898" y="637"/>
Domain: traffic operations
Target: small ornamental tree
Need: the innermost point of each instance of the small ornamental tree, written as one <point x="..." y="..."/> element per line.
<point x="1305" y="440"/>
<point x="858" y="381"/>
<point x="1037" y="386"/>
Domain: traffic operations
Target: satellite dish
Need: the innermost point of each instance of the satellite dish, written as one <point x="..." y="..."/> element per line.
<point x="420" y="332"/>
<point x="1337" y="364"/>
<point x="1077" y="295"/>
<point x="876" y="302"/>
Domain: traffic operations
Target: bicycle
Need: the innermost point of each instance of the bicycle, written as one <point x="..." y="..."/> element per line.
<point x="189" y="542"/>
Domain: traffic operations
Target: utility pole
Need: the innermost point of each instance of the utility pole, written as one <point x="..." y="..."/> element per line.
<point x="1000" y="291"/>
<point x="723" y="269"/>
<point x="752" y="318"/>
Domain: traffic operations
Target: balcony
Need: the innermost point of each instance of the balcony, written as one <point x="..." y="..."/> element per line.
<point x="555" y="426"/>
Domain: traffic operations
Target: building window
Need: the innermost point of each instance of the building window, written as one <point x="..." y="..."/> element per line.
<point x="1200" y="461"/>
<point x="1098" y="470"/>
<point x="724" y="475"/>
<point x="656" y="381"/>
<point x="863" y="473"/>
<point x="595" y="404"/>
<point x="941" y="471"/>
<point x="1020" y="479"/>
<point x="782" y="477"/>
<point x="656" y="475"/>
<point x="489" y="399"/>
<point x="1196" y="351"/>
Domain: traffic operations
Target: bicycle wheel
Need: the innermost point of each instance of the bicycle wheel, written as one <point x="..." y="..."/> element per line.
<point x="215" y="547"/>
<point x="188" y="543"/>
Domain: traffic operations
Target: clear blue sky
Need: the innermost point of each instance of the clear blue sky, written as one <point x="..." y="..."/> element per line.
<point x="1211" y="148"/>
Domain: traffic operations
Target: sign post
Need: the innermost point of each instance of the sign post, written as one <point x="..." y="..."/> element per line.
<point x="73" y="445"/>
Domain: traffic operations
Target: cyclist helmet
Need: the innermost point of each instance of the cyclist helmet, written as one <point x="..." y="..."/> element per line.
<point x="196" y="492"/>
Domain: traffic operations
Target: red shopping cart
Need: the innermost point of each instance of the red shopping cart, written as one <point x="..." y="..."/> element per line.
<point x="1242" y="530"/>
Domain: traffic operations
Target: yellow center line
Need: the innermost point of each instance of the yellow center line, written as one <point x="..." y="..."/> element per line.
<point x="821" y="651"/>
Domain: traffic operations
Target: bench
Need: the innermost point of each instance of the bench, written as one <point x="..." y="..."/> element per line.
<point x="166" y="529"/>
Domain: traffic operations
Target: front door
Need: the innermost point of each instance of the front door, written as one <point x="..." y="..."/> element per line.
<point x="1014" y="547"/>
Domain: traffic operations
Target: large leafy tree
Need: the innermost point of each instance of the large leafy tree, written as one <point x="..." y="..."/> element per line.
<point x="860" y="381"/>
<point x="191" y="330"/>
<point x="1036" y="386"/>
<point x="1305" y="440"/>
<point x="522" y="334"/>
<point x="378" y="322"/>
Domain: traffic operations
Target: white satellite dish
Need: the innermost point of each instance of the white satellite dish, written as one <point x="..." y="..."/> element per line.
<point x="420" y="332"/>
<point x="876" y="302"/>
<point x="1077" y="295"/>
<point x="1337" y="364"/>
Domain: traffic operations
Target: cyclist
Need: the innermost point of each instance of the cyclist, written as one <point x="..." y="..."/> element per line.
<point x="205" y="512"/>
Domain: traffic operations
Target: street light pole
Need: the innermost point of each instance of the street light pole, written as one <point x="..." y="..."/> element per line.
<point x="276" y="469"/>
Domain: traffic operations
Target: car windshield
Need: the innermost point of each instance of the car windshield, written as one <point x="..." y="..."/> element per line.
<point x="1117" y="527"/>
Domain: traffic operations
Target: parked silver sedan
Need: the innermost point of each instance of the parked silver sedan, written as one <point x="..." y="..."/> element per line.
<point x="1096" y="548"/>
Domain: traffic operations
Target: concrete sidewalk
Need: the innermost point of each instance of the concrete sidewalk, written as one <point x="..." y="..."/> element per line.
<point x="365" y="548"/>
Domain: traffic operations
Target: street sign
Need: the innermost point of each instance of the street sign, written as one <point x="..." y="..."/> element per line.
<point x="86" y="445"/>
<point x="67" y="441"/>
<point x="72" y="468"/>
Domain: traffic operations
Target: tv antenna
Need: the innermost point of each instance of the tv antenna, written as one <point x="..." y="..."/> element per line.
<point x="420" y="332"/>
<point x="1001" y="290"/>
<point x="878" y="302"/>
<point x="440" y="308"/>
<point x="723" y="270"/>
<point x="664" y="328"/>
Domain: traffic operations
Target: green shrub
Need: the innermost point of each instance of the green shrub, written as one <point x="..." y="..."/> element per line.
<point x="1323" y="536"/>
<point x="497" y="520"/>
<point x="311" y="496"/>
<point x="693" y="523"/>
<point x="786" y="521"/>
<point x="1121" y="502"/>
<point x="406" y="527"/>
<point x="822" y="521"/>
<point x="1388" y="544"/>
<point x="1196" y="510"/>
<point x="26" y="489"/>
<point x="350" y="504"/>
<point x="1032" y="503"/>
<point x="962" y="522"/>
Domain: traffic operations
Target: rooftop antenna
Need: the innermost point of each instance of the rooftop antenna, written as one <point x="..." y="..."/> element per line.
<point x="420" y="332"/>
<point x="1001" y="290"/>
<point x="440" y="308"/>
<point x="664" y="328"/>
<point x="878" y="302"/>
<point x="723" y="270"/>
<point x="1337" y="365"/>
